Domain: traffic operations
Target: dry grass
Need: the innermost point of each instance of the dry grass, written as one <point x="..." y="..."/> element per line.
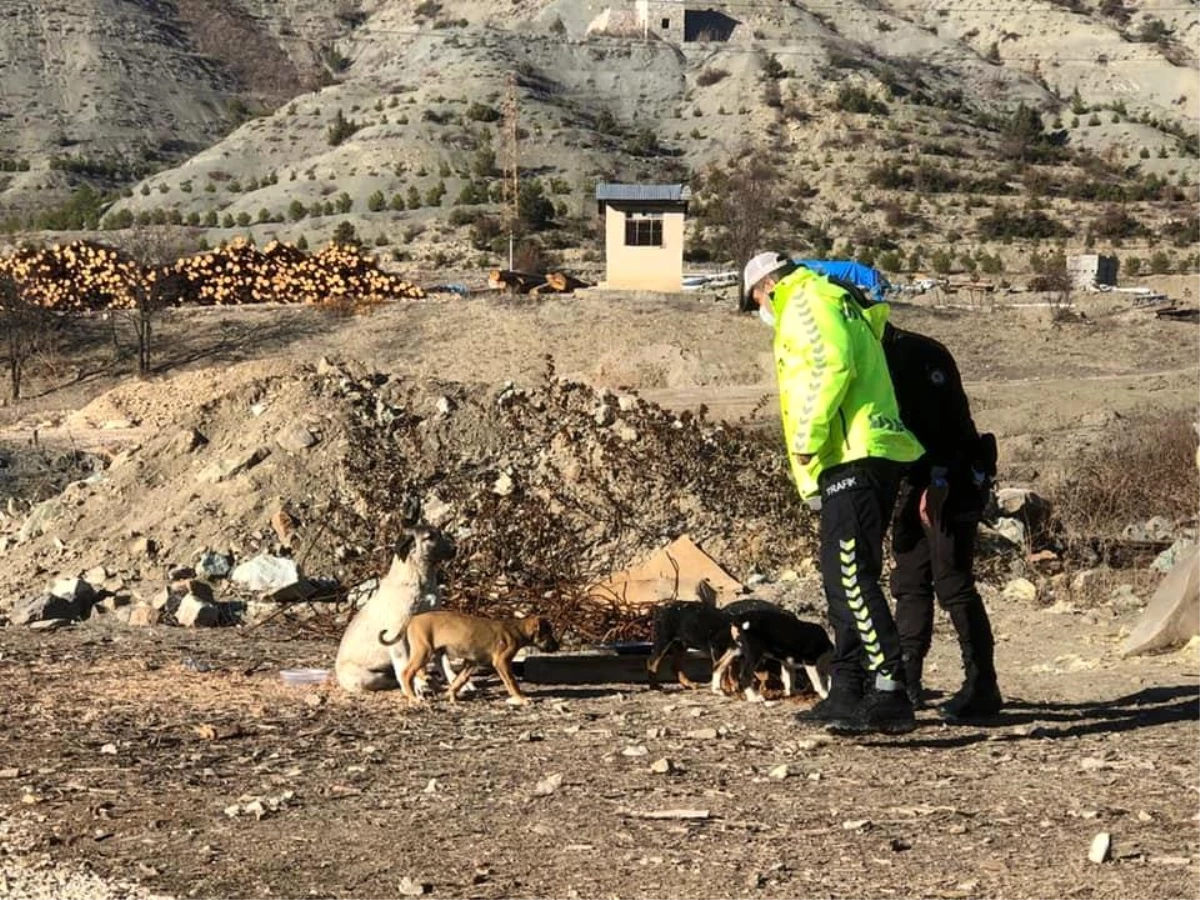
<point x="1145" y="467"/>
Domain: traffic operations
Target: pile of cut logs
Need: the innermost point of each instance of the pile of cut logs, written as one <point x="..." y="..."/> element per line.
<point x="87" y="276"/>
<point x="534" y="284"/>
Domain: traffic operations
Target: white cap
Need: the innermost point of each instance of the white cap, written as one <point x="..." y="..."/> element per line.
<point x="761" y="266"/>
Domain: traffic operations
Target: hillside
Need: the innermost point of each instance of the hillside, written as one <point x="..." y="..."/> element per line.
<point x="881" y="126"/>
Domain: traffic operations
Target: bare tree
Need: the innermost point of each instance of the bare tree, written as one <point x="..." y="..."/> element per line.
<point x="26" y="330"/>
<point x="740" y="204"/>
<point x="153" y="251"/>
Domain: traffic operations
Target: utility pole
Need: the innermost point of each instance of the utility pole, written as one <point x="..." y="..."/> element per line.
<point x="510" y="161"/>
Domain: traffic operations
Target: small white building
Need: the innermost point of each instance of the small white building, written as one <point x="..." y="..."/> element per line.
<point x="1090" y="270"/>
<point x="643" y="235"/>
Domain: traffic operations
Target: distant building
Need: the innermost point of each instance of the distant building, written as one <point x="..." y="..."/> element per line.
<point x="664" y="18"/>
<point x="643" y="235"/>
<point x="1092" y="270"/>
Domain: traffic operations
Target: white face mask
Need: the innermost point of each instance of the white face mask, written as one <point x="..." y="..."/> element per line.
<point x="767" y="315"/>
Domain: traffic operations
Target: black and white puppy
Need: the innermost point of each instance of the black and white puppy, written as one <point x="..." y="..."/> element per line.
<point x="760" y="635"/>
<point x="683" y="625"/>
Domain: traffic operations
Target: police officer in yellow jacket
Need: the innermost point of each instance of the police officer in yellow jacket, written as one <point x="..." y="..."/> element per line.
<point x="848" y="446"/>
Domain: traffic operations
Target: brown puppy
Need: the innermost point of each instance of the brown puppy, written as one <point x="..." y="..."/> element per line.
<point x="476" y="641"/>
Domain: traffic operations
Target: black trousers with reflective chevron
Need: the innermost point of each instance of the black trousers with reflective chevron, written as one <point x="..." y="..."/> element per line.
<point x="857" y="499"/>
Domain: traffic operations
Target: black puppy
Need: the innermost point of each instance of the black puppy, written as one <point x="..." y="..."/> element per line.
<point x="760" y="635"/>
<point x="683" y="625"/>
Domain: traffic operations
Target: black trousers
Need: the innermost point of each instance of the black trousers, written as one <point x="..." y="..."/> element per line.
<point x="939" y="561"/>
<point x="856" y="507"/>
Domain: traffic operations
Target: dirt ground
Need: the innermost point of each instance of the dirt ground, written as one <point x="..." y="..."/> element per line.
<point x="136" y="756"/>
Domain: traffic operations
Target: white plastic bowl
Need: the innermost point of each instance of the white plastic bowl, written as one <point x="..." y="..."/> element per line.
<point x="303" y="676"/>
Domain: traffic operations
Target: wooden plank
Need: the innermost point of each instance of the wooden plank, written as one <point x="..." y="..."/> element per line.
<point x="604" y="668"/>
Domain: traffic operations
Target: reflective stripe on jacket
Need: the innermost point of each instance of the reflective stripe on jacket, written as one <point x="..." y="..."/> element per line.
<point x="835" y="393"/>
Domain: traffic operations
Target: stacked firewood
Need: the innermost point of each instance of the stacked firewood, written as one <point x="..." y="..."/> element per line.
<point x="87" y="276"/>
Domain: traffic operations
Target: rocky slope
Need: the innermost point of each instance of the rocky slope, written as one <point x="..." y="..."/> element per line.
<point x="408" y="122"/>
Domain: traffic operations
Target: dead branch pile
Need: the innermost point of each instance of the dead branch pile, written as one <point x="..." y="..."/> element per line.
<point x="551" y="489"/>
<point x="85" y="276"/>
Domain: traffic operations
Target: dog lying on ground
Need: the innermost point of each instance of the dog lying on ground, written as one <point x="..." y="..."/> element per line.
<point x="475" y="640"/>
<point x="409" y="586"/>
<point x="683" y="625"/>
<point x="761" y="635"/>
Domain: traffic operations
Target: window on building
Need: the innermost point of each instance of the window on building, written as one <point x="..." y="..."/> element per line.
<point x="666" y="25"/>
<point x="643" y="230"/>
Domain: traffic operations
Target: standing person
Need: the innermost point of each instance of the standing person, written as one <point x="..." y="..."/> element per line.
<point x="941" y="500"/>
<point x="847" y="444"/>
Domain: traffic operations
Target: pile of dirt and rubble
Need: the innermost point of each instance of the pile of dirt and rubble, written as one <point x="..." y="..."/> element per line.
<point x="84" y="275"/>
<point x="545" y="489"/>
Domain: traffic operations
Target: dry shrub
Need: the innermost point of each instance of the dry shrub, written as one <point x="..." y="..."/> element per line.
<point x="1145" y="466"/>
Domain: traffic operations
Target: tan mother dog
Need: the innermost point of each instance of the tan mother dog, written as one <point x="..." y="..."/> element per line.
<point x="476" y="641"/>
<point x="409" y="587"/>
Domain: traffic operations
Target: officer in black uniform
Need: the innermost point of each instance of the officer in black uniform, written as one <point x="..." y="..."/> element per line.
<point x="937" y="513"/>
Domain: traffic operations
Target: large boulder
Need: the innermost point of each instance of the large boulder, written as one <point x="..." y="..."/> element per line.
<point x="275" y="577"/>
<point x="1173" y="614"/>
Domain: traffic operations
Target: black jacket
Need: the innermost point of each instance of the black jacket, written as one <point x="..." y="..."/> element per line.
<point x="932" y="402"/>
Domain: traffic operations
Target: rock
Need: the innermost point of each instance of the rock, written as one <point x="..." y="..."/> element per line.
<point x="186" y="441"/>
<point x="409" y="887"/>
<point x="625" y="432"/>
<point x="703" y="734"/>
<point x="295" y="438"/>
<point x="548" y="785"/>
<point x="162" y="599"/>
<point x="74" y="589"/>
<point x="1085" y="580"/>
<point x="1032" y="509"/>
<point x="96" y="575"/>
<point x="326" y="367"/>
<point x="436" y="511"/>
<point x="779" y="773"/>
<point x="662" y="766"/>
<point x="114" y="602"/>
<point x="180" y="573"/>
<point x="1166" y="560"/>
<point x="270" y="575"/>
<point x="196" y="613"/>
<point x="445" y="406"/>
<point x="214" y="566"/>
<point x="255" y="612"/>
<point x="41" y="517"/>
<point x="1101" y="849"/>
<point x="284" y="524"/>
<point x="1020" y="590"/>
<point x="1135" y="532"/>
<point x="141" y="546"/>
<point x="201" y="590"/>
<point x="604" y="416"/>
<point x="1160" y="529"/>
<point x="143" y="614"/>
<point x="48" y="606"/>
<point x="635" y="750"/>
<point x="503" y="486"/>
<point x="48" y="625"/>
<point x="1012" y="530"/>
<point x="224" y="469"/>
<point x="627" y="402"/>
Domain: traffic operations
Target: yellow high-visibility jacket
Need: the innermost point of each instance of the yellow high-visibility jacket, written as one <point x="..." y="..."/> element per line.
<point x="835" y="392"/>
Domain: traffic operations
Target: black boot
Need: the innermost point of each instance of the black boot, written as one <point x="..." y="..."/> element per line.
<point x="880" y="711"/>
<point x="913" y="664"/>
<point x="844" y="697"/>
<point x="978" y="698"/>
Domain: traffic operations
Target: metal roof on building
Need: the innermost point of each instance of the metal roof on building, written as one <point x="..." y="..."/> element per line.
<point x="646" y="193"/>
